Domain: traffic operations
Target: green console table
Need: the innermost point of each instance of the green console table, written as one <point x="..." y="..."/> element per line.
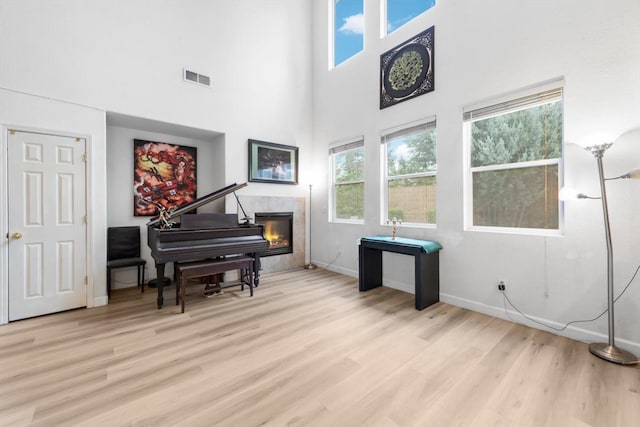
<point x="427" y="265"/>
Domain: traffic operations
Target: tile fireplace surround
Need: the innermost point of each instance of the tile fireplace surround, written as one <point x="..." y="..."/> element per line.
<point x="253" y="204"/>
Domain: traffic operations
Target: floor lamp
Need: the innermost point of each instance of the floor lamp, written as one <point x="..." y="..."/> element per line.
<point x="608" y="351"/>
<point x="311" y="265"/>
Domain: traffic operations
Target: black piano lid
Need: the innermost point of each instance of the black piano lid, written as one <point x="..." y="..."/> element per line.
<point x="199" y="202"/>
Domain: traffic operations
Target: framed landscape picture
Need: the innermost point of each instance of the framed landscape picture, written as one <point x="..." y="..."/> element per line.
<point x="164" y="174"/>
<point x="274" y="163"/>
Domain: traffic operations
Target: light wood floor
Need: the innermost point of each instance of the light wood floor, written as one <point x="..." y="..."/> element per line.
<point x="306" y="349"/>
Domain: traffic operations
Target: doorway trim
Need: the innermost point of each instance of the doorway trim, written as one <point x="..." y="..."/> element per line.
<point x="4" y="213"/>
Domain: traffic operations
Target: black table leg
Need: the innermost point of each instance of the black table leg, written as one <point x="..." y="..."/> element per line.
<point x="160" y="283"/>
<point x="427" y="280"/>
<point x="370" y="266"/>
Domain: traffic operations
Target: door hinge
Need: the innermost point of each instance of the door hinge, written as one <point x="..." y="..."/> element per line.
<point x="12" y="132"/>
<point x="84" y="157"/>
<point x="86" y="280"/>
<point x="84" y="219"/>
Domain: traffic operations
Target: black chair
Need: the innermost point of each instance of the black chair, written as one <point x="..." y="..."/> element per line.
<point x="123" y="250"/>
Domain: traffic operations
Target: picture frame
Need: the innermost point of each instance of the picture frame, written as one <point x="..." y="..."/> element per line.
<point x="163" y="174"/>
<point x="407" y="70"/>
<point x="272" y="163"/>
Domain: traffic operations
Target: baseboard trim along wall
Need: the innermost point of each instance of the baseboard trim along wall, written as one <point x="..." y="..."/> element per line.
<point x="572" y="332"/>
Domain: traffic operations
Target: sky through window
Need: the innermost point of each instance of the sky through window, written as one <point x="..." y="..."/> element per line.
<point x="399" y="12"/>
<point x="348" y="29"/>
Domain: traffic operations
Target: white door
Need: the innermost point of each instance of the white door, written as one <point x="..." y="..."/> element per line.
<point x="47" y="230"/>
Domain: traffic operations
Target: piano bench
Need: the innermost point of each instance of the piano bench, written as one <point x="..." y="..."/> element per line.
<point x="210" y="267"/>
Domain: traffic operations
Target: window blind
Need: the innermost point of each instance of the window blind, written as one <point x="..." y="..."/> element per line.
<point x="346" y="147"/>
<point x="545" y="97"/>
<point x="412" y="130"/>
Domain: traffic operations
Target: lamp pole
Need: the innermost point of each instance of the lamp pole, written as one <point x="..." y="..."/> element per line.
<point x="608" y="351"/>
<point x="311" y="265"/>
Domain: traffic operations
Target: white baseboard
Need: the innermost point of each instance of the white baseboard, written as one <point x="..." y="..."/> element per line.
<point x="98" y="301"/>
<point x="572" y="332"/>
<point x="353" y="273"/>
<point x="345" y="271"/>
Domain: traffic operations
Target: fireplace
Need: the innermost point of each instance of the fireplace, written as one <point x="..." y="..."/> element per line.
<point x="278" y="230"/>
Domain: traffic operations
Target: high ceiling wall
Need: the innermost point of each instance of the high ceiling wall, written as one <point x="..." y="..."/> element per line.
<point x="483" y="50"/>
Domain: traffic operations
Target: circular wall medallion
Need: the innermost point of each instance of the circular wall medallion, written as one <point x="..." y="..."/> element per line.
<point x="406" y="70"/>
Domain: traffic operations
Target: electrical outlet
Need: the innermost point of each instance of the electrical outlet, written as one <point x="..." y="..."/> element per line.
<point x="501" y="286"/>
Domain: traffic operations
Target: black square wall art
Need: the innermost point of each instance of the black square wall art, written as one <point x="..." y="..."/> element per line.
<point x="406" y="71"/>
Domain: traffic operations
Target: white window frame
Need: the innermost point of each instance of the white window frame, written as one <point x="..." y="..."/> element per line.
<point x="429" y="123"/>
<point x="331" y="22"/>
<point x="341" y="147"/>
<point x="524" y="99"/>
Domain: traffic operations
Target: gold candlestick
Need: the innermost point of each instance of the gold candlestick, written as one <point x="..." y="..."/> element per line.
<point x="395" y="222"/>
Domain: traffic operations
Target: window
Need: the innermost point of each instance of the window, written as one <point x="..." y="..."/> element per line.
<point x="347" y="166"/>
<point x="348" y="29"/>
<point x="410" y="174"/>
<point x="399" y="12"/>
<point x="515" y="149"/>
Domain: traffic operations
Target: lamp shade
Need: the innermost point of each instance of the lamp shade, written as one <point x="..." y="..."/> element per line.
<point x="634" y="174"/>
<point x="595" y="139"/>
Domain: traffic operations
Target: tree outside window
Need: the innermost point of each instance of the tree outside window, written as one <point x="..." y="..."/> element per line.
<point x="347" y="163"/>
<point x="515" y="155"/>
<point x="410" y="174"/>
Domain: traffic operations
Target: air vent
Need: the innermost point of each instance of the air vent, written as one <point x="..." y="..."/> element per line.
<point x="193" y="77"/>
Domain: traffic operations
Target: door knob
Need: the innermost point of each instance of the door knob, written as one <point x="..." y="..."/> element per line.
<point x="17" y="235"/>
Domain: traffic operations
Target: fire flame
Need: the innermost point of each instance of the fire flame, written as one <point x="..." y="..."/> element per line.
<point x="275" y="240"/>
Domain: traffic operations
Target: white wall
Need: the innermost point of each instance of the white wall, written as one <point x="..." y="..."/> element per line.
<point x="127" y="57"/>
<point x="484" y="49"/>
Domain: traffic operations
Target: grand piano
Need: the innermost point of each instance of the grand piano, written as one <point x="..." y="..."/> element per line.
<point x="202" y="236"/>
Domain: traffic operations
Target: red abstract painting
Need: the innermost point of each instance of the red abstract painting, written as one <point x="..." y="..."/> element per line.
<point x="164" y="175"/>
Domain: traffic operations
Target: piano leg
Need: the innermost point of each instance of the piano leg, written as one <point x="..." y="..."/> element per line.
<point x="160" y="283"/>
<point x="256" y="269"/>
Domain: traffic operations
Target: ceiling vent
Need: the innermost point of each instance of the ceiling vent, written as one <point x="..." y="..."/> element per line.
<point x="193" y="77"/>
